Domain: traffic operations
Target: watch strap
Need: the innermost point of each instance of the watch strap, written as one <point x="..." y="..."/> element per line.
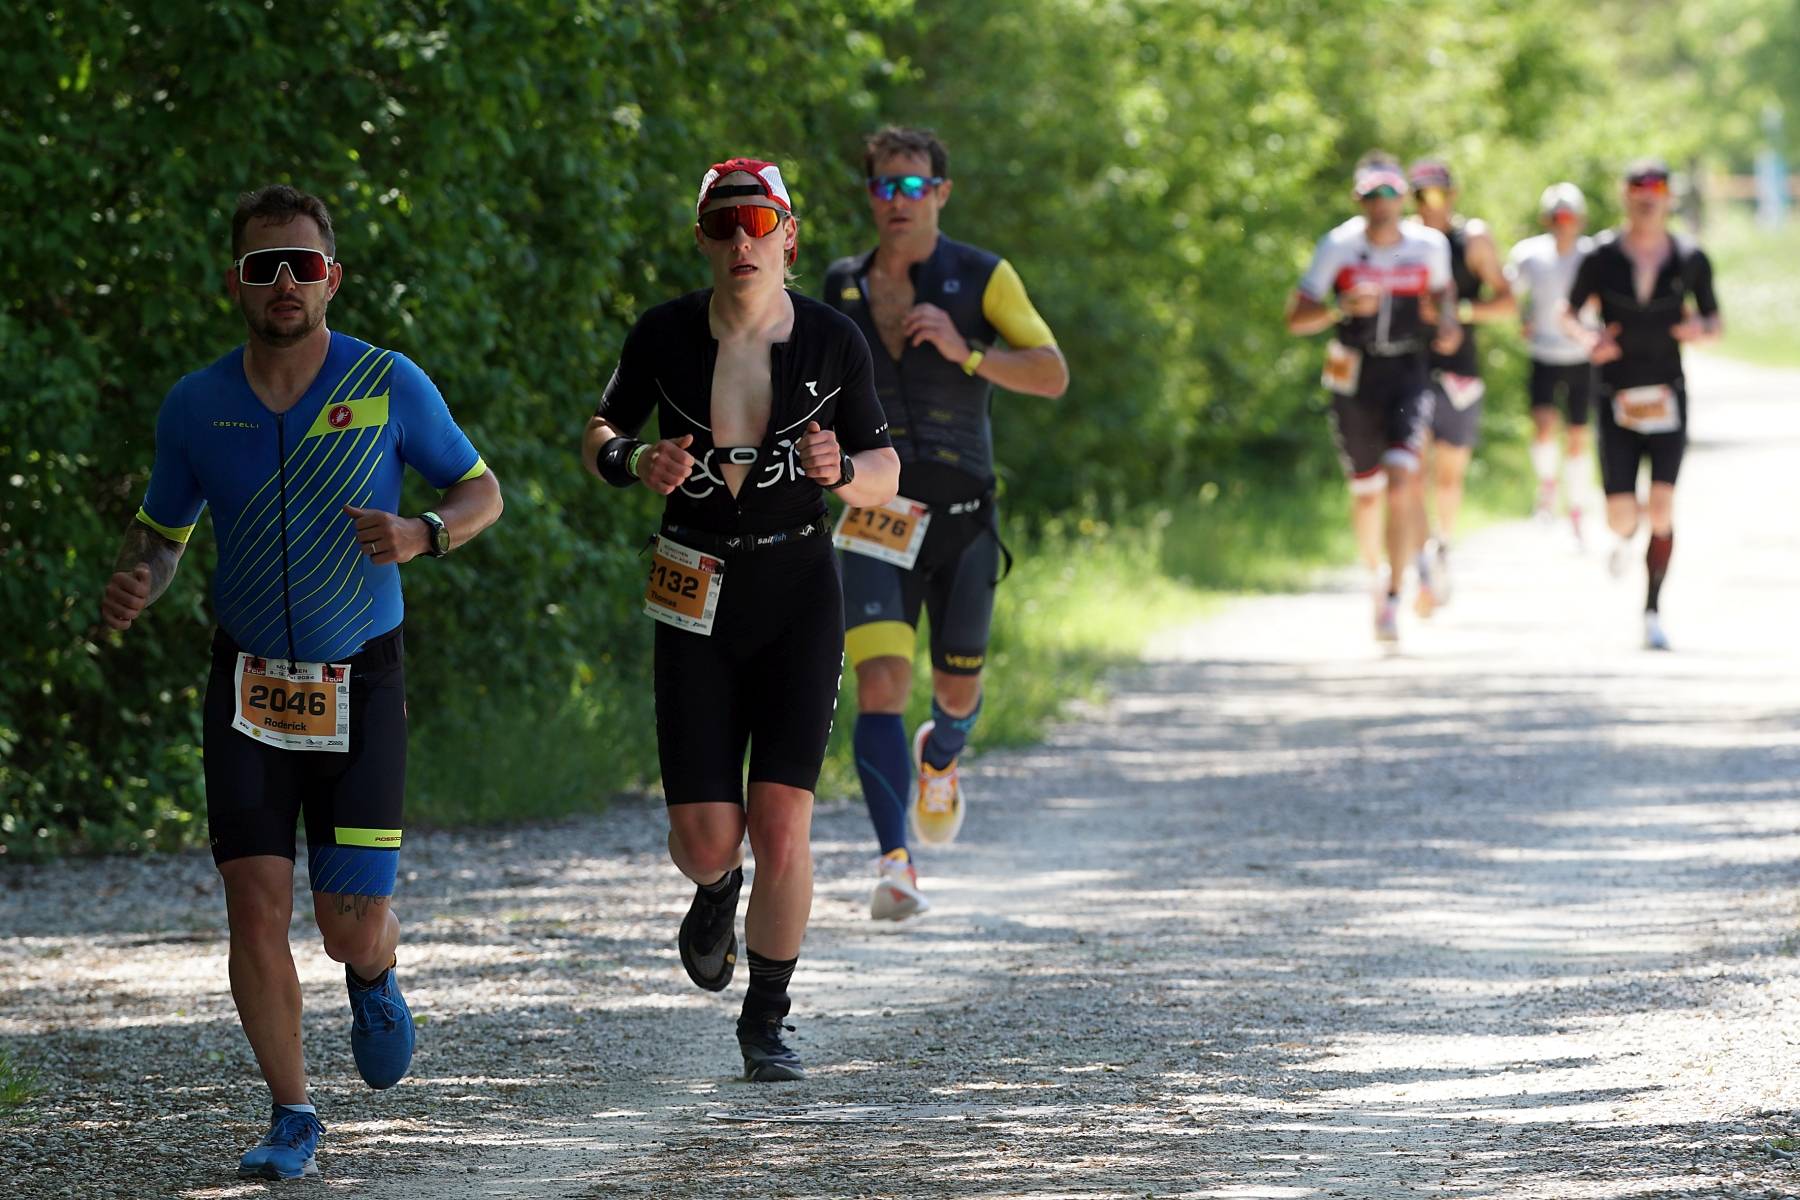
<point x="440" y="534"/>
<point x="846" y="473"/>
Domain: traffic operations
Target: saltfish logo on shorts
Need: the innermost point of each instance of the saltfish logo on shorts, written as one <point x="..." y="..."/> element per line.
<point x="966" y="662"/>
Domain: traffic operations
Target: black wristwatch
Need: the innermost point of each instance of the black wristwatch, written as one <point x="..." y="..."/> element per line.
<point x="440" y="536"/>
<point x="846" y="473"/>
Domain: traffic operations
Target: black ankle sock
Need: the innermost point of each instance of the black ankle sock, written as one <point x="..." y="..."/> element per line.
<point x="769" y="980"/>
<point x="361" y="984"/>
<point x="724" y="887"/>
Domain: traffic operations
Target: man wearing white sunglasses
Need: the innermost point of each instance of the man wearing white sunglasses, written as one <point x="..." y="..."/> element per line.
<point x="297" y="440"/>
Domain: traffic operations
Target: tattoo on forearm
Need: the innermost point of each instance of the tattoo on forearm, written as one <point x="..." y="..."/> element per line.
<point x="145" y="545"/>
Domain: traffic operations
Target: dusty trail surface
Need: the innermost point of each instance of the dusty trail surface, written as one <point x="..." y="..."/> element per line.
<point x="1510" y="914"/>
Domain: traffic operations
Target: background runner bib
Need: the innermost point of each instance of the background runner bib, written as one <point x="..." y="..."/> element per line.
<point x="892" y="533"/>
<point x="1343" y="368"/>
<point x="1647" y="409"/>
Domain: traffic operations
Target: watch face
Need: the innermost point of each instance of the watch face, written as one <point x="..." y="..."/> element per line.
<point x="440" y="539"/>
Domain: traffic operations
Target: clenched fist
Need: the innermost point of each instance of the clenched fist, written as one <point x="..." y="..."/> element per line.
<point x="666" y="465"/>
<point x="819" y="455"/>
<point x="126" y="595"/>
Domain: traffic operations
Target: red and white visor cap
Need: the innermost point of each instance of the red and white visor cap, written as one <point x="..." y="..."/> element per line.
<point x="1378" y="176"/>
<point x="766" y="174"/>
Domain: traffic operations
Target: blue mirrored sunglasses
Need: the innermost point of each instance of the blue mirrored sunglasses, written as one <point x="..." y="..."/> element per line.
<point x="913" y="187"/>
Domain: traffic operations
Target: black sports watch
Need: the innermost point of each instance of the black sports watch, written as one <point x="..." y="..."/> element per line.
<point x="846" y="473"/>
<point x="440" y="536"/>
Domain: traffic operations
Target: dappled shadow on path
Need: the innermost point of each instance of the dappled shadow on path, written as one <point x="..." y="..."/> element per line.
<point x="1394" y="940"/>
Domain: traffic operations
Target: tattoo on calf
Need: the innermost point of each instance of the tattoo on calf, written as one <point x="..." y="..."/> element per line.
<point x="361" y="906"/>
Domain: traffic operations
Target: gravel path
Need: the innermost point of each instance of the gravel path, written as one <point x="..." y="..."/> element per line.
<point x="1510" y="914"/>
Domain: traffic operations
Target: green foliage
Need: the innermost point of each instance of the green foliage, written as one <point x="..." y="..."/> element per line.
<point x="511" y="183"/>
<point x="17" y="1085"/>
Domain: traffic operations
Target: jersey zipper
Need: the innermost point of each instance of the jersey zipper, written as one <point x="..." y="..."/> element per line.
<point x="873" y="336"/>
<point x="287" y="610"/>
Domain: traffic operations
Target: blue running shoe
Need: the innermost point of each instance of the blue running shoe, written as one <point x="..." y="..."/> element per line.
<point x="287" y="1150"/>
<point x="381" y="1030"/>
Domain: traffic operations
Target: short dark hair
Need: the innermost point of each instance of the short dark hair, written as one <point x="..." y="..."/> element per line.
<point x="280" y="204"/>
<point x="898" y="139"/>
<point x="1377" y="158"/>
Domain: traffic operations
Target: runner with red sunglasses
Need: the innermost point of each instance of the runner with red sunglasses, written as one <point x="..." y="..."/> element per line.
<point x="764" y="401"/>
<point x="297" y="442"/>
<point x="1652" y="292"/>
<point x="935" y="311"/>
<point x="1380" y="271"/>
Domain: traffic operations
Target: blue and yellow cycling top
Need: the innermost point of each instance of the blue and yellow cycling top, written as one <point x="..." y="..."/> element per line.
<point x="939" y="417"/>
<point x="292" y="582"/>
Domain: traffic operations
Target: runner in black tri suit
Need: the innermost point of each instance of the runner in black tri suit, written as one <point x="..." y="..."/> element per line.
<point x="1380" y="270"/>
<point x="933" y="311"/>
<point x="1457" y="388"/>
<point x="297" y="442"/>
<point x="763" y="400"/>
<point x="1653" y="291"/>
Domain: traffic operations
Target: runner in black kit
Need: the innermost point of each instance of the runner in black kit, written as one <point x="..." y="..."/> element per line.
<point x="297" y="442"/>
<point x="1457" y="388"/>
<point x="1653" y="291"/>
<point x="1379" y="269"/>
<point x="933" y="311"/>
<point x="763" y="399"/>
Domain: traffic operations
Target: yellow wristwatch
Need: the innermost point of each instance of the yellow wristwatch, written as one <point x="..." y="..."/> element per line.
<point x="973" y="362"/>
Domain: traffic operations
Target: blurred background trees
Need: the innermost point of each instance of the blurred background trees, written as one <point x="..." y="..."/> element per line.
<point x="512" y="183"/>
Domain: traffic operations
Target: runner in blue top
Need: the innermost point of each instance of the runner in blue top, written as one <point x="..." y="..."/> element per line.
<point x="297" y="442"/>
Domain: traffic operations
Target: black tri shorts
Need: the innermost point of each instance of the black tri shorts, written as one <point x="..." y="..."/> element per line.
<point x="1622" y="450"/>
<point x="1384" y="423"/>
<point x="1570" y="388"/>
<point x="765" y="680"/>
<point x="953" y="581"/>
<point x="351" y="801"/>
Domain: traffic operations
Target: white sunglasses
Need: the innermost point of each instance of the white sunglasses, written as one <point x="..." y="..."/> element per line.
<point x="261" y="268"/>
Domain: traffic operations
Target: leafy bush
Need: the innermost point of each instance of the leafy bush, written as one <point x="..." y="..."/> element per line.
<point x="512" y="181"/>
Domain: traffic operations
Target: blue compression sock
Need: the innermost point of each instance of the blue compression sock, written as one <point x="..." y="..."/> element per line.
<point x="884" y="761"/>
<point x="948" y="735"/>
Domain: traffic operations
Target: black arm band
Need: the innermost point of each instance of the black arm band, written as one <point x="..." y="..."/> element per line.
<point x="613" y="461"/>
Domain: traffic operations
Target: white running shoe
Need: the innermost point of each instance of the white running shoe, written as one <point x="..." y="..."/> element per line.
<point x="896" y="895"/>
<point x="1387" y="619"/>
<point x="1654" y="637"/>
<point x="1440" y="575"/>
<point x="937" y="810"/>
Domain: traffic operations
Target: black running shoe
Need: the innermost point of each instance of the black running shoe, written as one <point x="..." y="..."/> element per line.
<point x="708" y="937"/>
<point x="767" y="1059"/>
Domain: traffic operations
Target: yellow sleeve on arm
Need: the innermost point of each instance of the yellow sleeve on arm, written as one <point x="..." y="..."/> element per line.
<point x="1008" y="309"/>
<point x="175" y="533"/>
